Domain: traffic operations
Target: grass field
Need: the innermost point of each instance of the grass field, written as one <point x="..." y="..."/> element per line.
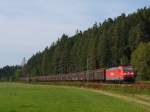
<point x="43" y="98"/>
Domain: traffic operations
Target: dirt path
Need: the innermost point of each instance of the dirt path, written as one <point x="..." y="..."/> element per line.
<point x="123" y="97"/>
<point x="146" y="104"/>
<point x="127" y="98"/>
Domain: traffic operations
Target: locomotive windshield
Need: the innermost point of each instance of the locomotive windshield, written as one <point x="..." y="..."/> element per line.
<point x="128" y="69"/>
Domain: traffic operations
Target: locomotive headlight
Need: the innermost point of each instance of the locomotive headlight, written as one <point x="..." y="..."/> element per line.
<point x="132" y="73"/>
<point x="124" y="73"/>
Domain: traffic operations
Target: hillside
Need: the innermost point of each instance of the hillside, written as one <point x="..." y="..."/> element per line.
<point x="106" y="44"/>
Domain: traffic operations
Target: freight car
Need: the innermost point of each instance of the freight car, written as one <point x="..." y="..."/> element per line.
<point x="91" y="75"/>
<point x="121" y="73"/>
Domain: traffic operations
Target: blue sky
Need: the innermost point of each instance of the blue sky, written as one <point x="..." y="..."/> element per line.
<point x="28" y="26"/>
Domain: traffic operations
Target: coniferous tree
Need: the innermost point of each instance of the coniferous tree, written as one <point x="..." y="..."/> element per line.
<point x="106" y="44"/>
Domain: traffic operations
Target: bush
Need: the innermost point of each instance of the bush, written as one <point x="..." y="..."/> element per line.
<point x="18" y="74"/>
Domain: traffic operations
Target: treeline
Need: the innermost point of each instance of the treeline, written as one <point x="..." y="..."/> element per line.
<point x="10" y="72"/>
<point x="106" y="44"/>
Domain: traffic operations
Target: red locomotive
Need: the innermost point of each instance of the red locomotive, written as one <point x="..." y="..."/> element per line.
<point x="121" y="73"/>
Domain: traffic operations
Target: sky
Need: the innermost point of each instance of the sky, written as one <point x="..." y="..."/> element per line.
<point x="28" y="26"/>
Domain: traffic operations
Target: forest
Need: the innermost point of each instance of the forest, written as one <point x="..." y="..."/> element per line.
<point x="124" y="40"/>
<point x="9" y="72"/>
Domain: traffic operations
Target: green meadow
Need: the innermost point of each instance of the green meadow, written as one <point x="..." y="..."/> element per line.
<point x="15" y="97"/>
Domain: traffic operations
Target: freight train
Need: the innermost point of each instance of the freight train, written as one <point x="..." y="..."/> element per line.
<point x="120" y="74"/>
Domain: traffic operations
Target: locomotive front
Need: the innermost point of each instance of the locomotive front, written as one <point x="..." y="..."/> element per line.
<point x="128" y="73"/>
